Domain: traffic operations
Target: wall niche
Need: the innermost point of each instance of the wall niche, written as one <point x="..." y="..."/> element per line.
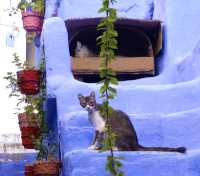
<point x="139" y="41"/>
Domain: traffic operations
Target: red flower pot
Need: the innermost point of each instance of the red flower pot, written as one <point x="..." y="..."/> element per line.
<point x="29" y="81"/>
<point x="32" y="21"/>
<point x="28" y="170"/>
<point x="30" y="130"/>
<point x="27" y="120"/>
<point x="48" y="168"/>
<point x="28" y="142"/>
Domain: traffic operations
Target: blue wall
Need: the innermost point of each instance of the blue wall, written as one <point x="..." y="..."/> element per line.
<point x="163" y="109"/>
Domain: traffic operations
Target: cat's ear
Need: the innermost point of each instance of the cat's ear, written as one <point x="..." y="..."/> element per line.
<point x="78" y="44"/>
<point x="92" y="94"/>
<point x="80" y="96"/>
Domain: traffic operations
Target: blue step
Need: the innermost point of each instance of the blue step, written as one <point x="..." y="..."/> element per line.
<point x="170" y="130"/>
<point x="89" y="163"/>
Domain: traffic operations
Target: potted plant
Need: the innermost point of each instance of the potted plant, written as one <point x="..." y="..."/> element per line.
<point x="30" y="130"/>
<point x="46" y="167"/>
<point x="47" y="163"/>
<point x="27" y="80"/>
<point x="32" y="14"/>
<point x="31" y="105"/>
<point x="28" y="171"/>
<point x="30" y="121"/>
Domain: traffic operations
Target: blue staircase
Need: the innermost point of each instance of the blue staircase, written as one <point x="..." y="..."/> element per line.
<point x="163" y="130"/>
<point x="163" y="115"/>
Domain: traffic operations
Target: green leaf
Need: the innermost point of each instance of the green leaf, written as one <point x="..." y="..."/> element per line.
<point x="99" y="38"/>
<point x="110" y="110"/>
<point x="108" y="44"/>
<point x="120" y="174"/>
<point x="103" y="89"/>
<point x="112" y="90"/>
<point x="114" y="81"/>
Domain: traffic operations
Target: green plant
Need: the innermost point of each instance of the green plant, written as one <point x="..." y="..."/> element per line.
<point x="11" y="77"/>
<point x="46" y="146"/>
<point x="35" y="5"/>
<point x="35" y="106"/>
<point x="31" y="104"/>
<point x="23" y="4"/>
<point x="108" y="45"/>
<point x="34" y="103"/>
<point x="39" y="6"/>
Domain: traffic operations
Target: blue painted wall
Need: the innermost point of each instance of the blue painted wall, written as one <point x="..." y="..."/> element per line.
<point x="163" y="109"/>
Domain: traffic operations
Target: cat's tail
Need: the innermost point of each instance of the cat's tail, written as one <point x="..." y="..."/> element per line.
<point x="163" y="149"/>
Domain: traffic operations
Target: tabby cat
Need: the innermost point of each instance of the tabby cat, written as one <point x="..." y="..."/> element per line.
<point x="126" y="137"/>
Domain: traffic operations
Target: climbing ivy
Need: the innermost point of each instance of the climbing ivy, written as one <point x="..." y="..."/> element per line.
<point x="108" y="44"/>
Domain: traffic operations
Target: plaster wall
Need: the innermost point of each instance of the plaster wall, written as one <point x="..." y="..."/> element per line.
<point x="68" y="9"/>
<point x="167" y="111"/>
<point x="181" y="34"/>
<point x="179" y="20"/>
<point x="164" y="109"/>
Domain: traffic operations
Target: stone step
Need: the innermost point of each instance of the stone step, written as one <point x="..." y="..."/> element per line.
<point x="84" y="162"/>
<point x="163" y="99"/>
<point x="170" y="130"/>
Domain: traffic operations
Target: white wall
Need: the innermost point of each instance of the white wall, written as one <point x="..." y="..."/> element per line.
<point x="8" y="121"/>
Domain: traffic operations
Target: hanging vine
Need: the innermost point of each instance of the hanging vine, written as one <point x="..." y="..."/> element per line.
<point x="108" y="46"/>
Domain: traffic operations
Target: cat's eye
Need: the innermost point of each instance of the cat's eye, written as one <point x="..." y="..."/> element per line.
<point x="83" y="104"/>
<point x="91" y="103"/>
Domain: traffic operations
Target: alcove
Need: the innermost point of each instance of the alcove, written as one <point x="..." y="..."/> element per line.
<point x="139" y="42"/>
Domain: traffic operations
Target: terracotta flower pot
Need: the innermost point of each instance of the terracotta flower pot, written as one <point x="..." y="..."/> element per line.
<point x="47" y="168"/>
<point x="32" y="21"/>
<point x="30" y="130"/>
<point x="28" y="142"/>
<point x="28" y="170"/>
<point x="27" y="120"/>
<point x="29" y="81"/>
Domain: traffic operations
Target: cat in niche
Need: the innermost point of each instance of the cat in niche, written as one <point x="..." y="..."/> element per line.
<point x="82" y="51"/>
<point x="126" y="137"/>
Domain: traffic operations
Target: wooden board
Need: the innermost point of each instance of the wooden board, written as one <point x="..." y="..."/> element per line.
<point x="122" y="65"/>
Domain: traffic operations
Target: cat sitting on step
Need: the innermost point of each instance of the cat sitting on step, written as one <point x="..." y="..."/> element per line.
<point x="82" y="51"/>
<point x="126" y="137"/>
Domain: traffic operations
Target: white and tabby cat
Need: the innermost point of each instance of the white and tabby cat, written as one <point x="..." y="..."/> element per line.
<point x="126" y="137"/>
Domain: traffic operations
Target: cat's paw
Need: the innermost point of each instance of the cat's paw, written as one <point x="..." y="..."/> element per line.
<point x="92" y="147"/>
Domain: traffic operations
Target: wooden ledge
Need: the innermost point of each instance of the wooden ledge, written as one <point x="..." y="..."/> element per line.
<point x="122" y="65"/>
